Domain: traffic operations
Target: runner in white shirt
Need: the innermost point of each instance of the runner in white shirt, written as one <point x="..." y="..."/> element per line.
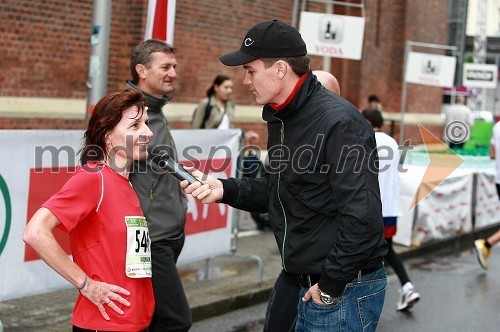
<point x="388" y="154"/>
<point x="483" y="246"/>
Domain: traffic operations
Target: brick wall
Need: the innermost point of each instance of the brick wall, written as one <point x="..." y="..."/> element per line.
<point x="9" y="123"/>
<point x="207" y="29"/>
<point x="381" y="70"/>
<point x="45" y="49"/>
<point x="426" y="99"/>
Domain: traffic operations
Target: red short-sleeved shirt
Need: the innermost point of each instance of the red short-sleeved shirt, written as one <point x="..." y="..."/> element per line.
<point x="92" y="207"/>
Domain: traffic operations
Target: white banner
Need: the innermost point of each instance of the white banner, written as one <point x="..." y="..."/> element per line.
<point x="478" y="75"/>
<point x="446" y="210"/>
<point x="36" y="163"/>
<point x="208" y="227"/>
<point x="430" y="69"/>
<point x="487" y="203"/>
<point x="336" y="36"/>
<point x="409" y="181"/>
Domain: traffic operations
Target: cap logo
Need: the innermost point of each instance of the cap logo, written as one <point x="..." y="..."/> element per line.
<point x="248" y="42"/>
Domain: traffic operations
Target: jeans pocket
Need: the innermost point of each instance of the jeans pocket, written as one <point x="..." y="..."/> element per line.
<point x="318" y="317"/>
<point x="370" y="306"/>
<point x="321" y="317"/>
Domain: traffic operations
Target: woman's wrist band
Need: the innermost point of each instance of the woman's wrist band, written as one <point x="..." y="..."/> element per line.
<point x="84" y="284"/>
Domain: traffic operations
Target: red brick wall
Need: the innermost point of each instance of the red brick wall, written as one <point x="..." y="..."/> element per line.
<point x="45" y="48"/>
<point x="205" y="30"/>
<point x="41" y="124"/>
<point x="388" y="25"/>
<point x="421" y="98"/>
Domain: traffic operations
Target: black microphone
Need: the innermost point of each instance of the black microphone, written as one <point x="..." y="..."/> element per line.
<point x="164" y="160"/>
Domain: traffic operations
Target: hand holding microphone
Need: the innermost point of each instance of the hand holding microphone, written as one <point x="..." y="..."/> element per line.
<point x="165" y="162"/>
<point x="211" y="190"/>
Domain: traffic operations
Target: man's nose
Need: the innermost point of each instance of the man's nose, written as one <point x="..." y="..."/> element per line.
<point x="172" y="73"/>
<point x="246" y="80"/>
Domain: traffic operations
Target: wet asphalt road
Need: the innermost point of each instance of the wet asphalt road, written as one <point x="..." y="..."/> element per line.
<point x="457" y="295"/>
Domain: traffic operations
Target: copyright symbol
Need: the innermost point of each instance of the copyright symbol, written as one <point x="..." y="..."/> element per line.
<point x="457" y="132"/>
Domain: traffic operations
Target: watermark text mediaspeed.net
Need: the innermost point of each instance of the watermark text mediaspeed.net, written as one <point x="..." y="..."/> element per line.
<point x="303" y="159"/>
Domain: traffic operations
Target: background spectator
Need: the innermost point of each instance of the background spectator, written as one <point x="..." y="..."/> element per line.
<point x="217" y="110"/>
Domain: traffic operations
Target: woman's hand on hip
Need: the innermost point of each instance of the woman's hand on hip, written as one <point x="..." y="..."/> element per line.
<point x="101" y="293"/>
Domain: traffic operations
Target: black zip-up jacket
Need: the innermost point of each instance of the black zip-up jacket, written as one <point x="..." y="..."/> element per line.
<point x="321" y="190"/>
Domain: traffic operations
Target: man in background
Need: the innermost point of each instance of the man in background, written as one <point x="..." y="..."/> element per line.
<point x="374" y="102"/>
<point x="328" y="80"/>
<point x="152" y="66"/>
<point x="458" y="113"/>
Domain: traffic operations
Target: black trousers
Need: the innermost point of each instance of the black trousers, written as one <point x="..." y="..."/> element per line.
<point x="172" y="312"/>
<point x="281" y="314"/>
<point x="396" y="264"/>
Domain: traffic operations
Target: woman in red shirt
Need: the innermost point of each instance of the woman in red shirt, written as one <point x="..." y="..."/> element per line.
<point x="98" y="207"/>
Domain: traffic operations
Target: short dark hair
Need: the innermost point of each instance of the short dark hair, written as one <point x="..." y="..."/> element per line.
<point x="219" y="79"/>
<point x="300" y="64"/>
<point x="141" y="54"/>
<point x="373" y="98"/>
<point x="374" y="117"/>
<point x="106" y="115"/>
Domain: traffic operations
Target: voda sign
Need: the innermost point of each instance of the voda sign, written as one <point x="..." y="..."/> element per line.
<point x="336" y="36"/>
<point x="430" y="69"/>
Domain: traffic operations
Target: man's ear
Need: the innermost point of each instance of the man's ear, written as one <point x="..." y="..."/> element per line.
<point x="281" y="69"/>
<point x="140" y="69"/>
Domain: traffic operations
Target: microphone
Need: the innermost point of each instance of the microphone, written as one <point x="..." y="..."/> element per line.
<point x="165" y="162"/>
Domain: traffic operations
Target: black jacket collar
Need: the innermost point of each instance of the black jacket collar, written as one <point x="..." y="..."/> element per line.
<point x="308" y="87"/>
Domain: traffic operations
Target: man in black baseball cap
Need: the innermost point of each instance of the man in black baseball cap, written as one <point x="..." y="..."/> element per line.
<point x="323" y="201"/>
<point x="272" y="39"/>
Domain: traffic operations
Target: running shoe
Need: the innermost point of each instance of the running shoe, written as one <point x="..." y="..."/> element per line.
<point x="407" y="299"/>
<point x="482" y="253"/>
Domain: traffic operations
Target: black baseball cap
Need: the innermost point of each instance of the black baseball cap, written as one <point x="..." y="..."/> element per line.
<point x="271" y="39"/>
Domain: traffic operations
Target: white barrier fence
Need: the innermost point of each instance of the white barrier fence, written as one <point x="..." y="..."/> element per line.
<point x="449" y="208"/>
<point x="36" y="163"/>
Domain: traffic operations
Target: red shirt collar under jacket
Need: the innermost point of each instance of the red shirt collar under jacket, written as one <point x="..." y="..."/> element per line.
<point x="278" y="107"/>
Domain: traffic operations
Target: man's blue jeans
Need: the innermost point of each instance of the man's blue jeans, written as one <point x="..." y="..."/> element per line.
<point x="358" y="309"/>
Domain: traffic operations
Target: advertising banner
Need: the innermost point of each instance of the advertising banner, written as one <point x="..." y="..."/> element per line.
<point x="336" y="36"/>
<point x="430" y="69"/>
<point x="36" y="163"/>
<point x="478" y="75"/>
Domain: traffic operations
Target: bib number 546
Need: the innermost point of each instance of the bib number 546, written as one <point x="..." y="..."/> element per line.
<point x="142" y="243"/>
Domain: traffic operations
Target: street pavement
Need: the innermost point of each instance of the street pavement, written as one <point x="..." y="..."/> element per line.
<point x="456" y="295"/>
<point x="225" y="284"/>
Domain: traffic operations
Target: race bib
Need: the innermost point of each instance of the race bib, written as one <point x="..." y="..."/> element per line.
<point x="138" y="260"/>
